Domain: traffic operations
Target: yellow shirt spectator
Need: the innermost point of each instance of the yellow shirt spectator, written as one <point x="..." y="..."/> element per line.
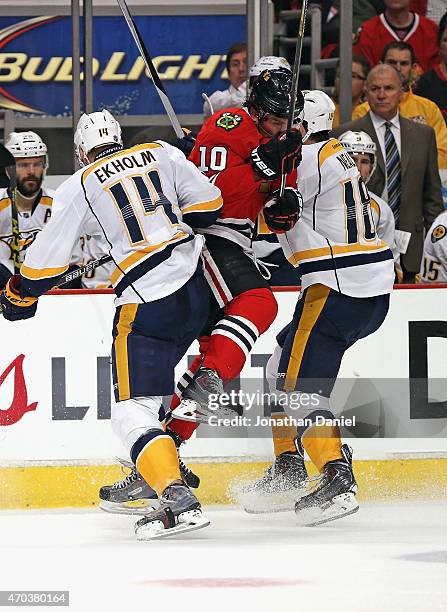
<point x="425" y="111"/>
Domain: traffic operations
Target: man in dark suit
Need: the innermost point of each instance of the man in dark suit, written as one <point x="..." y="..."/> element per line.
<point x="407" y="174"/>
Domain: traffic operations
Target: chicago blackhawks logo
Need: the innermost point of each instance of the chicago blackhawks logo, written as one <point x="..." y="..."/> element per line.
<point x="19" y="404"/>
<point x="438" y="233"/>
<point x="228" y="121"/>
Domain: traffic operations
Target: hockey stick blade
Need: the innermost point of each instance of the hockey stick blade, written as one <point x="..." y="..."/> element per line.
<point x="151" y="69"/>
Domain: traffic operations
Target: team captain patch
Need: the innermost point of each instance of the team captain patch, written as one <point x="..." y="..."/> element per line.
<point x="228" y="121"/>
<point x="438" y="233"/>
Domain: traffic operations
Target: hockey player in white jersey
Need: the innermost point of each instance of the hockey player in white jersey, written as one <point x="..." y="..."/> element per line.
<point x="95" y="247"/>
<point x="347" y="275"/>
<point x="434" y="260"/>
<point x="142" y="199"/>
<point x="20" y="223"/>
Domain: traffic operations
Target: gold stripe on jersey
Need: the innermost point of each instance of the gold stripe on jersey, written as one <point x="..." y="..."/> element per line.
<point x="4" y="203"/>
<point x="46" y="201"/>
<point x="141" y="254"/>
<point x="332" y="147"/>
<point x="316" y="297"/>
<point x="262" y="225"/>
<point x="336" y="249"/>
<point x="124" y="327"/>
<point x="35" y="274"/>
<point x="209" y="206"/>
<point x="90" y="169"/>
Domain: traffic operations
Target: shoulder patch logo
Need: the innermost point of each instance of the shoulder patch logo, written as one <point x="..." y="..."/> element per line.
<point x="228" y="121"/>
<point x="438" y="233"/>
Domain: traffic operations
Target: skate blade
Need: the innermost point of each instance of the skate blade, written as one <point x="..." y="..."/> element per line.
<point x="188" y="521"/>
<point x="192" y="412"/>
<point x="339" y="506"/>
<point x="137" y="507"/>
<point x="255" y="502"/>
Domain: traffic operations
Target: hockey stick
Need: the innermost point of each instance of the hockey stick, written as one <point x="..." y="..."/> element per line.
<point x="69" y="276"/>
<point x="151" y="68"/>
<point x="295" y="77"/>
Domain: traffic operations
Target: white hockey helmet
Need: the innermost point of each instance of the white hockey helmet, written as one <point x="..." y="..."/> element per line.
<point x="318" y="112"/>
<point x="360" y="143"/>
<point x="267" y="62"/>
<point x="26" y="144"/>
<point x="96" y="130"/>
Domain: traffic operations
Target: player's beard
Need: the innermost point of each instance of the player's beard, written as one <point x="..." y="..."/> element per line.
<point x="30" y="185"/>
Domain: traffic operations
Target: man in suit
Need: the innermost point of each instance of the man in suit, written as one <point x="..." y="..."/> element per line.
<point x="406" y="175"/>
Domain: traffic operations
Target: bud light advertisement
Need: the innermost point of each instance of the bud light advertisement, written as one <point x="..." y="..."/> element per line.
<point x="188" y="53"/>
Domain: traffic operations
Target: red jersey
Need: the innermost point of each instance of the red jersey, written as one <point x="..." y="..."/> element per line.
<point x="222" y="152"/>
<point x="377" y="32"/>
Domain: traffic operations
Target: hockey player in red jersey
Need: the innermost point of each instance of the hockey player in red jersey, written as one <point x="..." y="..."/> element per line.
<point x="244" y="152"/>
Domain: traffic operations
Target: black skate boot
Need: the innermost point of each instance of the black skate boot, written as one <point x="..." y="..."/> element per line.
<point x="334" y="495"/>
<point x="188" y="476"/>
<point x="179" y="512"/>
<point x="279" y="487"/>
<point x="131" y="495"/>
<point x="200" y="399"/>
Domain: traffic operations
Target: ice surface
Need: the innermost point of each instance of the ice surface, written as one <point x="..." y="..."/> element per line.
<point x="387" y="557"/>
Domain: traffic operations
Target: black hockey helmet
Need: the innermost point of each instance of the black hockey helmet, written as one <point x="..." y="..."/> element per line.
<point x="271" y="93"/>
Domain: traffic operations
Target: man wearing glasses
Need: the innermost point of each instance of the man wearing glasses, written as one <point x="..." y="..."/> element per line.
<point x="20" y="223"/>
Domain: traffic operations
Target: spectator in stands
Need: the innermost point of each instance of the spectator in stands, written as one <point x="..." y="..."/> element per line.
<point x="397" y="22"/>
<point x="236" y="94"/>
<point x="407" y="175"/>
<point x="401" y="55"/>
<point x="432" y="9"/>
<point x="433" y="84"/>
<point x="360" y="69"/>
<point x="362" y="10"/>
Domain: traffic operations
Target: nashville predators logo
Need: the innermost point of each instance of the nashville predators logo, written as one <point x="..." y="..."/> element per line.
<point x="228" y="121"/>
<point x="438" y="233"/>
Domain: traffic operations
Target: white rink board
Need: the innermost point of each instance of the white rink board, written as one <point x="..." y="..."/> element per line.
<point x="75" y="330"/>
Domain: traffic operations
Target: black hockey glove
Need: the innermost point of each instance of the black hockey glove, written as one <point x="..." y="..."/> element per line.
<point x="277" y="156"/>
<point x="185" y="144"/>
<point x="14" y="305"/>
<point x="281" y="214"/>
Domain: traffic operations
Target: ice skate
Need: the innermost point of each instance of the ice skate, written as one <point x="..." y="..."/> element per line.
<point x="334" y="493"/>
<point x="131" y="495"/>
<point x="278" y="489"/>
<point x="200" y="399"/>
<point x="179" y="512"/>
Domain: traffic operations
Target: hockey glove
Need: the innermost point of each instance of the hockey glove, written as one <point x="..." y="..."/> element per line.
<point x="185" y="144"/>
<point x="277" y="156"/>
<point x="282" y="213"/>
<point x="14" y="304"/>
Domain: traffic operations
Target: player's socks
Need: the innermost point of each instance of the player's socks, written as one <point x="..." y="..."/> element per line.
<point x="247" y="316"/>
<point x="155" y="457"/>
<point x="323" y="444"/>
<point x="283" y="435"/>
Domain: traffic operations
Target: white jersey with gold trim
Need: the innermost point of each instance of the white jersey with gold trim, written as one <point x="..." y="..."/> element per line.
<point x="142" y="199"/>
<point x="30" y="224"/>
<point x="335" y="242"/>
<point x="434" y="260"/>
